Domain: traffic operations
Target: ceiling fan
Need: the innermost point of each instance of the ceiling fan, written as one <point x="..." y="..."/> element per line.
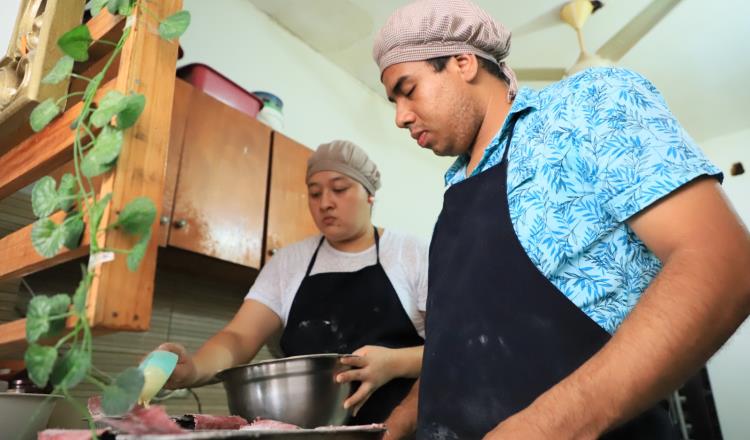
<point x="575" y="13"/>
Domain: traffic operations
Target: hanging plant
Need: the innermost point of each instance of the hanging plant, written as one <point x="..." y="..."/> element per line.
<point x="68" y="362"/>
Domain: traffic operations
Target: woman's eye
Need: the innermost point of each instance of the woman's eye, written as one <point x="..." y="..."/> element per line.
<point x="339" y="190"/>
<point x="314" y="195"/>
<point x="408" y="94"/>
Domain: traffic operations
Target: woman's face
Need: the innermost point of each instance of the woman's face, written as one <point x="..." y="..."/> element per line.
<point x="340" y="206"/>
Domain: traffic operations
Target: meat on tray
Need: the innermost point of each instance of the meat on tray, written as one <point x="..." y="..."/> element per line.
<point x="73" y="434"/>
<point x="199" y="422"/>
<point x="137" y="421"/>
<point x="260" y="424"/>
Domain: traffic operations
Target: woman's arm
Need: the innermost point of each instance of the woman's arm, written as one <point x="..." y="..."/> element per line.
<point x="235" y="344"/>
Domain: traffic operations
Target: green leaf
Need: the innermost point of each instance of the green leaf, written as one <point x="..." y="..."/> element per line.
<point x="72" y="368"/>
<point x="39" y="362"/>
<point x="103" y="155"/>
<point x="97" y="210"/>
<point x="137" y="216"/>
<point x="111" y="104"/>
<point x="75" y="43"/>
<point x="61" y="71"/>
<point x="66" y="193"/>
<point x="122" y="7"/>
<point x="47" y="237"/>
<point x="119" y="398"/>
<point x="138" y="251"/>
<point x="96" y="6"/>
<point x="134" y="105"/>
<point x="43" y="114"/>
<point x="40" y="311"/>
<point x="79" y="297"/>
<point x="175" y="25"/>
<point x="72" y="231"/>
<point x="44" y="197"/>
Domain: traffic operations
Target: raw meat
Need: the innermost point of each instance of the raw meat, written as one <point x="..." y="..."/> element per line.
<point x="267" y="425"/>
<point x="200" y="422"/>
<point x="139" y="420"/>
<point x="73" y="434"/>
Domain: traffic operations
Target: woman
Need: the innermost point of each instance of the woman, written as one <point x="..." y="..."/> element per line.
<point x="353" y="289"/>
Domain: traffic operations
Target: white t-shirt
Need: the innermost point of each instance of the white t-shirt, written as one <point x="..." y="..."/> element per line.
<point x="403" y="257"/>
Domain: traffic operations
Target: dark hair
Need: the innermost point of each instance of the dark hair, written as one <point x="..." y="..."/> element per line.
<point x="493" y="69"/>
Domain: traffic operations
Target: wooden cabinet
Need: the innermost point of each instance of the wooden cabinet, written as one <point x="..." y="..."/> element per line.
<point x="234" y="190"/>
<point x="289" y="218"/>
<point x="220" y="193"/>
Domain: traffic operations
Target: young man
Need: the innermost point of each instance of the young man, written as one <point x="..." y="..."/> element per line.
<point x="585" y="262"/>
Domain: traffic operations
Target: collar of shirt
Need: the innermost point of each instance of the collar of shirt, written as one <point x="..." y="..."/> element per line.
<point x="526" y="98"/>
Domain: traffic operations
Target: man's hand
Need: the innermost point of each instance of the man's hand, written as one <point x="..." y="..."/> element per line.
<point x="184" y="374"/>
<point x="528" y="425"/>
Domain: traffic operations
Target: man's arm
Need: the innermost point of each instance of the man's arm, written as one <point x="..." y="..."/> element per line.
<point x="697" y="301"/>
<point x="402" y="423"/>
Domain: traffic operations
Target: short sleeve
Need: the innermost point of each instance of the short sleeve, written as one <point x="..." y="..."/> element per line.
<point x="268" y="288"/>
<point x="636" y="151"/>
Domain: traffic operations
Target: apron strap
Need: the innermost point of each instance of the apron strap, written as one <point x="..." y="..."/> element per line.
<point x="377" y="245"/>
<point x="511" y="130"/>
<point x="314" y="257"/>
<point x="320" y="243"/>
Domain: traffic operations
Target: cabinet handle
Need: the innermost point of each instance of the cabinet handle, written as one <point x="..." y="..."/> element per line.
<point x="179" y="224"/>
<point x="164" y="220"/>
<point x="272" y="252"/>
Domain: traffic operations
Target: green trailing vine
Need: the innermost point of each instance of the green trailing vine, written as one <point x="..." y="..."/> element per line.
<point x="96" y="147"/>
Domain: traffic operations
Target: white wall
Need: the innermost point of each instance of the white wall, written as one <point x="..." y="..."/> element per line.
<point x="8" y="12"/>
<point x="321" y="102"/>
<point x="729" y="369"/>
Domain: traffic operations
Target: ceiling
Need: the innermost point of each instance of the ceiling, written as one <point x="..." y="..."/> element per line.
<point x="698" y="55"/>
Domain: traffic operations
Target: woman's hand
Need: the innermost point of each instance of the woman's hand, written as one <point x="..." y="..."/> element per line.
<point x="373" y="366"/>
<point x="184" y="374"/>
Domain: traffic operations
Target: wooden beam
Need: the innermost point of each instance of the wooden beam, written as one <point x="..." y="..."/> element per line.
<point x="105" y="25"/>
<point x="19" y="258"/>
<point x="120" y="299"/>
<point x="12" y="337"/>
<point x="43" y="152"/>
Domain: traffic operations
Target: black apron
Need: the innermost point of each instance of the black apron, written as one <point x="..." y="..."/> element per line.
<point x="339" y="312"/>
<point x="499" y="333"/>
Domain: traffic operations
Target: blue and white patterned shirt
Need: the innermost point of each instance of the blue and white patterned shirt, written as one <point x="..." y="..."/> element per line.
<point x="588" y="153"/>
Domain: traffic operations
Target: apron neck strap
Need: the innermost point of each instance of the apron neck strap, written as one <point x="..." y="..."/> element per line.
<point x="511" y="130"/>
<point x="320" y="243"/>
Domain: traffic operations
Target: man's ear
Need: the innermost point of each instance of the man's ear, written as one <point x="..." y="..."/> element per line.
<point x="468" y="66"/>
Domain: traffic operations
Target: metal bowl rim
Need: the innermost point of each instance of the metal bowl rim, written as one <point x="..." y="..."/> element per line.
<point x="221" y="374"/>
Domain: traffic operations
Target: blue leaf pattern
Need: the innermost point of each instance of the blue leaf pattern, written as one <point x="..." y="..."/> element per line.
<point x="588" y="153"/>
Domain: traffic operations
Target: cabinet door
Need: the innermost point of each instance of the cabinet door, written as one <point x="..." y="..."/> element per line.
<point x="182" y="96"/>
<point x="221" y="188"/>
<point x="289" y="218"/>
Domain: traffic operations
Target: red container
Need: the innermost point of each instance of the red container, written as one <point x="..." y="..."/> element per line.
<point x="220" y="87"/>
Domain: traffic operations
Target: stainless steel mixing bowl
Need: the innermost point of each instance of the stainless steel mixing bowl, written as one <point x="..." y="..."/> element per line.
<point x="301" y="390"/>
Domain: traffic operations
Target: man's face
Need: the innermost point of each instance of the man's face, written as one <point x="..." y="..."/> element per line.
<point x="437" y="108"/>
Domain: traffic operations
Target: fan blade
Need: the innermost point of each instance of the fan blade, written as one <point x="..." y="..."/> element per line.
<point x="624" y="40"/>
<point x="540" y="74"/>
<point x="540" y="22"/>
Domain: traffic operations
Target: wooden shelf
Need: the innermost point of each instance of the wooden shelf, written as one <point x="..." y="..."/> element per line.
<point x="119" y="299"/>
<point x="43" y="152"/>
